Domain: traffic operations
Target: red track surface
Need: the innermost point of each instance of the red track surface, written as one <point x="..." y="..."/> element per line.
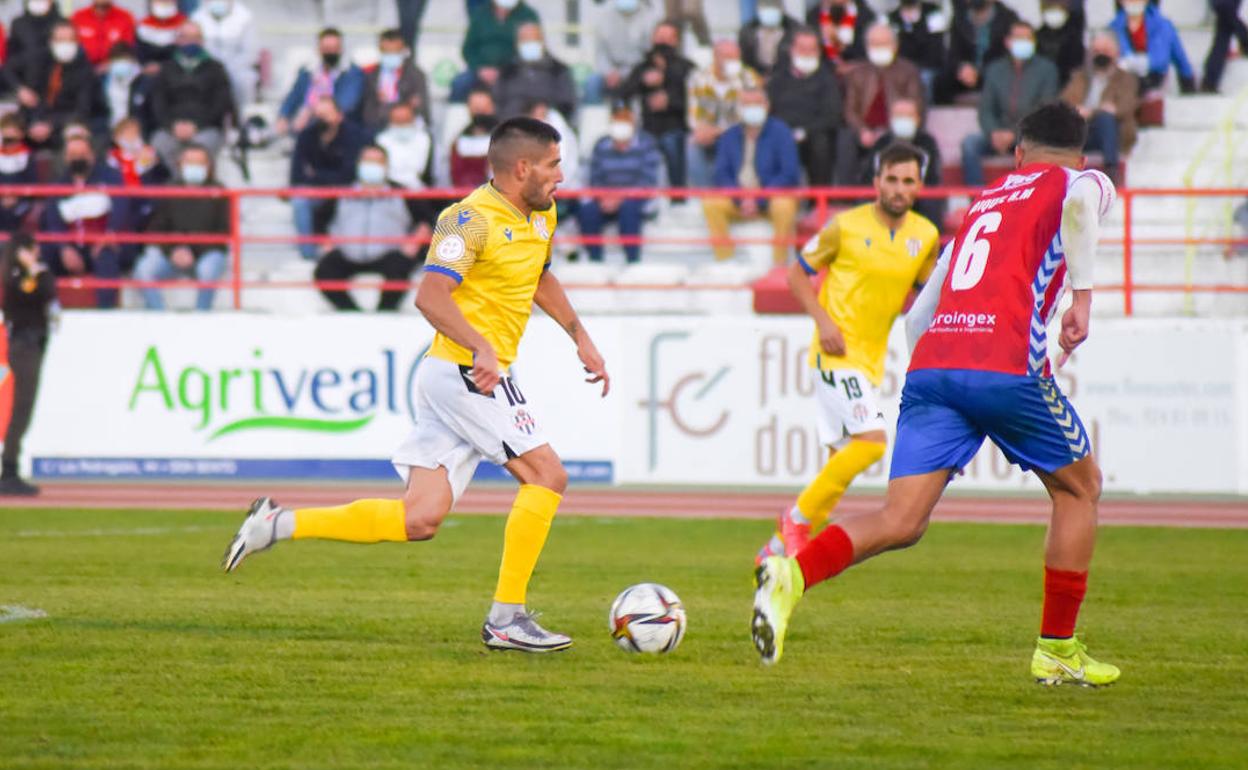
<point x="626" y="502"/>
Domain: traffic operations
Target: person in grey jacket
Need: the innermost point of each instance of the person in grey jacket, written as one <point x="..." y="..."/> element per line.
<point x="535" y="76"/>
<point x="380" y="219"/>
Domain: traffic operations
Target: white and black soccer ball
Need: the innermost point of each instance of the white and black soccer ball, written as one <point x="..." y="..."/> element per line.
<point x="647" y="618"/>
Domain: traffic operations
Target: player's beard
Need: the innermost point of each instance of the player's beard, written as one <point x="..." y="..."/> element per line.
<point x="539" y="201"/>
<point x="896" y="205"/>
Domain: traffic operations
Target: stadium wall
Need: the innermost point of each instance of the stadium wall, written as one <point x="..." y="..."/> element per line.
<point x="695" y="400"/>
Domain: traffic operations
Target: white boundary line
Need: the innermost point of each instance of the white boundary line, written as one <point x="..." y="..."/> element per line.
<point x="10" y="613"/>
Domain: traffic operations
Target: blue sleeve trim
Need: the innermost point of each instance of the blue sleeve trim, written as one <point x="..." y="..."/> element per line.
<point x="445" y="271"/>
<point x="546" y="267"/>
<point x="805" y="265"/>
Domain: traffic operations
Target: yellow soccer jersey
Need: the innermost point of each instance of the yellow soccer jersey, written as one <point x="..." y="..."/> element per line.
<point x="870" y="271"/>
<point x="497" y="256"/>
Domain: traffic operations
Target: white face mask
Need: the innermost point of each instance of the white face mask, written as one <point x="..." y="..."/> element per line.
<point x="1022" y="49"/>
<point x="732" y="68"/>
<point x="1055" y="18"/>
<point x="620" y="131"/>
<point x="372" y="173"/>
<point x="65" y="51"/>
<point x="1134" y="9"/>
<point x="627" y="6"/>
<point x="164" y="10"/>
<point x="507" y="5"/>
<point x="904" y="127"/>
<point x="531" y="50"/>
<point x="219" y="8"/>
<point x="845" y="35"/>
<point x="880" y="56"/>
<point x="807" y="65"/>
<point x="194" y="173"/>
<point x="754" y="114"/>
<point x="769" y="16"/>
<point x="39" y="7"/>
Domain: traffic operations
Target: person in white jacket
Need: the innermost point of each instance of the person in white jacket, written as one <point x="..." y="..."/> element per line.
<point x="230" y="38"/>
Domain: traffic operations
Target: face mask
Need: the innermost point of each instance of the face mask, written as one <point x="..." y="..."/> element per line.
<point x="880" y="57"/>
<point x="806" y="65"/>
<point x="904" y="127"/>
<point x="219" y="8"/>
<point x="65" y="51"/>
<point x="732" y="68"/>
<point x="164" y="10"/>
<point x="79" y="166"/>
<point x="769" y="16"/>
<point x="372" y="173"/>
<point x="1054" y="18"/>
<point x="39" y="7"/>
<point x="531" y="50"/>
<point x="391" y="61"/>
<point x="620" y="131"/>
<point x="194" y="173"/>
<point x="754" y="114"/>
<point x="845" y="35"/>
<point x="130" y="147"/>
<point x="1135" y="10"/>
<point x="1022" y="50"/>
<point x="627" y="6"/>
<point x="330" y="60"/>
<point x="507" y="5"/>
<point x="1102" y="61"/>
<point x="123" y="70"/>
<point x="402" y="130"/>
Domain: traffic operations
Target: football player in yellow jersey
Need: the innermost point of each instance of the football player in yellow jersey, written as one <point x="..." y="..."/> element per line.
<point x="874" y="255"/>
<point x="488" y="263"/>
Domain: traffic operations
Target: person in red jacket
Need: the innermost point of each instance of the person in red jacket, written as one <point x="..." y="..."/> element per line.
<point x="99" y="26"/>
<point x="3" y="45"/>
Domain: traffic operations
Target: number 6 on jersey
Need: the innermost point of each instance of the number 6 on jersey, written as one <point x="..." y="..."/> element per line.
<point x="972" y="258"/>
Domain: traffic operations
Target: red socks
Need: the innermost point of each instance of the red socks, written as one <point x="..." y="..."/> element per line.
<point x="827" y="556"/>
<point x="1063" y="593"/>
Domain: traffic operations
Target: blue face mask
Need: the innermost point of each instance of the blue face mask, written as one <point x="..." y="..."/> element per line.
<point x="391" y="61"/>
<point x="372" y="173"/>
<point x="191" y="50"/>
<point x="123" y="69"/>
<point x="194" y="173"/>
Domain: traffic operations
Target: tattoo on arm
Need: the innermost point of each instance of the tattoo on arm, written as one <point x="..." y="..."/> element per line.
<point x="573" y="327"/>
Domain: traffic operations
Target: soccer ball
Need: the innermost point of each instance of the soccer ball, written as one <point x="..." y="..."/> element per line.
<point x="648" y="618"/>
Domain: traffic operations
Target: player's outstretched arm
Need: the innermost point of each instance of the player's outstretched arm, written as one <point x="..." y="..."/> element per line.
<point x="830" y="338"/>
<point x="553" y="301"/>
<point x="433" y="299"/>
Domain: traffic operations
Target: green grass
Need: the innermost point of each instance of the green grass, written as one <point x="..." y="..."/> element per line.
<point x="321" y="655"/>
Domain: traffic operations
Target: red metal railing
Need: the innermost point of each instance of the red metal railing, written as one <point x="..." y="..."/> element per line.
<point x="824" y="200"/>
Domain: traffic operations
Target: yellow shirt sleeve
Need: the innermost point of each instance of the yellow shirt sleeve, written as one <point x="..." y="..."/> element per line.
<point x="929" y="263"/>
<point x="458" y="240"/>
<point x="820" y="250"/>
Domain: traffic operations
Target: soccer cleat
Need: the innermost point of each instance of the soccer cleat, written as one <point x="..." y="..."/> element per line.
<point x="258" y="532"/>
<point x="780" y="585"/>
<point x="523" y="633"/>
<point x="1066" y="661"/>
<point x="789" y="538"/>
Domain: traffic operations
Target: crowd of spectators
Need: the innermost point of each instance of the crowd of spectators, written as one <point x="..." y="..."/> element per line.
<point x="104" y="98"/>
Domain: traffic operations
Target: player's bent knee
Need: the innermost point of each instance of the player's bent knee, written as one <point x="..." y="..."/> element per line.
<point x="423" y="517"/>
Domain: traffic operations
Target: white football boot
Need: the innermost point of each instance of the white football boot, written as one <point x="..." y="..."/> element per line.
<point x="523" y="633"/>
<point x="258" y="532"/>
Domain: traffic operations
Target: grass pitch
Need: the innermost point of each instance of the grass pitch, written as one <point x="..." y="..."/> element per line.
<point x="323" y="655"/>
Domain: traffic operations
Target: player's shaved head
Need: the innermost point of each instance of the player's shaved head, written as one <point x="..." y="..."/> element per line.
<point x="524" y="155"/>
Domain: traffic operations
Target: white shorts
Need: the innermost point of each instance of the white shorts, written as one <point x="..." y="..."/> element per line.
<point x="847" y="404"/>
<point x="456" y="427"/>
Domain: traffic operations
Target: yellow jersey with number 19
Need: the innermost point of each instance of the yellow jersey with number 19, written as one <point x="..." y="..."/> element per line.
<point x="871" y="269"/>
<point x="497" y="255"/>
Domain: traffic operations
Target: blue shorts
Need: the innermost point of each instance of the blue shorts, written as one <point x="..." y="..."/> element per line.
<point x="947" y="413"/>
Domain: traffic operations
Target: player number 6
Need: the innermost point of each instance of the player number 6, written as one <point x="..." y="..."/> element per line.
<point x="972" y="258"/>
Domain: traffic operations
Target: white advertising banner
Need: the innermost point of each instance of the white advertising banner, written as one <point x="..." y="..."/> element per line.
<point x="695" y="400"/>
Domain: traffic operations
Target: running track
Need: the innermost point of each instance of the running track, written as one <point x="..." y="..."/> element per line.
<point x="1171" y="512"/>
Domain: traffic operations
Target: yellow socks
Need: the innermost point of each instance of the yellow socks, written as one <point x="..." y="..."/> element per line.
<point x="363" y="521"/>
<point x="823" y="493"/>
<point x="523" y="538"/>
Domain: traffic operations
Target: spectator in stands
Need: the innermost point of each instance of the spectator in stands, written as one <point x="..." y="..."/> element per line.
<point x="124" y="92"/>
<point x="1227" y="24"/>
<point x="661" y="81"/>
<point x="101" y="25"/>
<point x="871" y="89"/>
<point x="17" y="167"/>
<point x="765" y="40"/>
<point x="688" y="14"/>
<point x="469" y="164"/>
<point x="758" y="153"/>
<point x="1107" y="96"/>
<point x="842" y="28"/>
<point x="1060" y="36"/>
<point x="137" y="161"/>
<point x="230" y="37"/>
<point x="409" y="148"/>
<point x="569" y="145"/>
<point x="905" y="124"/>
<point x="625" y="158"/>
<point x="381" y="219"/>
<point x="200" y="216"/>
<point x="395" y="79"/>
<point x="621" y="39"/>
<point x="340" y="79"/>
<point x="157" y="34"/>
<point x="977" y="39"/>
<point x="921" y="28"/>
<point x="32" y="29"/>
<point x="806" y="97"/>
<point x="191" y="99"/>
<point x="1013" y="87"/>
<point x="88" y="213"/>
<point x="1151" y="44"/>
<point x="54" y="85"/>
<point x="713" y="108"/>
<point x="535" y="75"/>
<point x="325" y="155"/>
<point x="490" y="44"/>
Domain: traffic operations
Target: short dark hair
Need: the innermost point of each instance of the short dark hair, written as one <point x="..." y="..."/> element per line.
<point x="376" y="147"/>
<point x="329" y="32"/>
<point x="1022" y="23"/>
<point x="1057" y="125"/>
<point x="512" y="133"/>
<point x="390" y="35"/>
<point x="900" y="152"/>
<point x="13" y="120"/>
<point x="121" y="49"/>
